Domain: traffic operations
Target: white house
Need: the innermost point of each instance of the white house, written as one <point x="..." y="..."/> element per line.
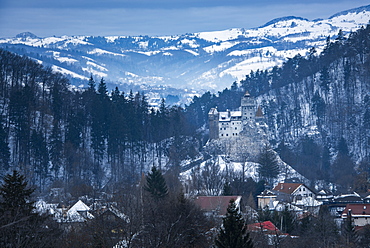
<point x="298" y="194"/>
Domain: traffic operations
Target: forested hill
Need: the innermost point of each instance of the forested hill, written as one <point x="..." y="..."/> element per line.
<point x="311" y="103"/>
<point x="52" y="133"/>
<point x="316" y="107"/>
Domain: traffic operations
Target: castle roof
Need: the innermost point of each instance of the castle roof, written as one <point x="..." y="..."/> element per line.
<point x="213" y="111"/>
<point x="226" y="116"/>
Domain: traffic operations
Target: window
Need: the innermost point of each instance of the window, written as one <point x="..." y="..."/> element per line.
<point x="227" y="134"/>
<point x="236" y="128"/>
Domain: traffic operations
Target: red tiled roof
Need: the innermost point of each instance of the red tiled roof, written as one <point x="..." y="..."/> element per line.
<point x="358" y="209"/>
<point x="266" y="227"/>
<point x="217" y="204"/>
<point x="287" y="188"/>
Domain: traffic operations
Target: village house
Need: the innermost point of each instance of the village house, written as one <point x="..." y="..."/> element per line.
<point x="339" y="202"/>
<point x="299" y="195"/>
<point x="296" y="197"/>
<point x="360" y="213"/>
<point x="294" y="191"/>
<point x="266" y="198"/>
<point x="267" y="229"/>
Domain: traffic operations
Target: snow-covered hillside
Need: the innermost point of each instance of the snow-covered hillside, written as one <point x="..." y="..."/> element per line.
<point x="207" y="60"/>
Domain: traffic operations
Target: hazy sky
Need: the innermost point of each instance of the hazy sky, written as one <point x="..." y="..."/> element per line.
<point x="153" y="17"/>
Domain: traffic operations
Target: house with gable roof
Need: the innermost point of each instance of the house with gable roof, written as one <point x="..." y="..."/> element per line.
<point x="79" y="212"/>
<point x="266" y="227"/>
<point x="297" y="193"/>
<point x="360" y="213"/>
<point x="269" y="230"/>
<point x="297" y="196"/>
<point x="296" y="190"/>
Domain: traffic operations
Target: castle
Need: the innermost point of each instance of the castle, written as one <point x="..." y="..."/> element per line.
<point x="230" y="124"/>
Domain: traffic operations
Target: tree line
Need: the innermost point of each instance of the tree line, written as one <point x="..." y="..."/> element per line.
<point x="52" y="131"/>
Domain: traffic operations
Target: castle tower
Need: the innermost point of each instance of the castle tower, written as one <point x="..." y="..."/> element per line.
<point x="248" y="108"/>
<point x="259" y="114"/>
<point x="213" y="117"/>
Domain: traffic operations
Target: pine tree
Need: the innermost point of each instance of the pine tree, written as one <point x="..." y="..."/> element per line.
<point x="20" y="225"/>
<point x="227" y="189"/>
<point x="4" y="149"/>
<point x="15" y="196"/>
<point x="349" y="231"/>
<point x="233" y="233"/>
<point x="91" y="84"/>
<point x="269" y="167"/>
<point x="156" y="184"/>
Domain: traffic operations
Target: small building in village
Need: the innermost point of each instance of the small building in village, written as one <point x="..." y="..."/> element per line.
<point x="360" y="213"/>
<point x="296" y="196"/>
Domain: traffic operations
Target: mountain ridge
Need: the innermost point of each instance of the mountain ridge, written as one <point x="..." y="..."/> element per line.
<point x="200" y="61"/>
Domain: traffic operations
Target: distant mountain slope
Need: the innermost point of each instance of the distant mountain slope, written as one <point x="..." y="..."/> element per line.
<point x="206" y="60"/>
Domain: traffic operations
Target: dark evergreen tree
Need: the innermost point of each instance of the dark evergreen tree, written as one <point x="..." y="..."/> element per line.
<point x="91" y="84"/>
<point x="325" y="78"/>
<point x="16" y="196"/>
<point x="318" y="107"/>
<point x="4" y="149"/>
<point x="233" y="232"/>
<point x="227" y="189"/>
<point x="156" y="184"/>
<point x="56" y="148"/>
<point x="268" y="165"/>
<point x="20" y="225"/>
<point x="343" y="147"/>
<point x="349" y="232"/>
<point x="39" y="157"/>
